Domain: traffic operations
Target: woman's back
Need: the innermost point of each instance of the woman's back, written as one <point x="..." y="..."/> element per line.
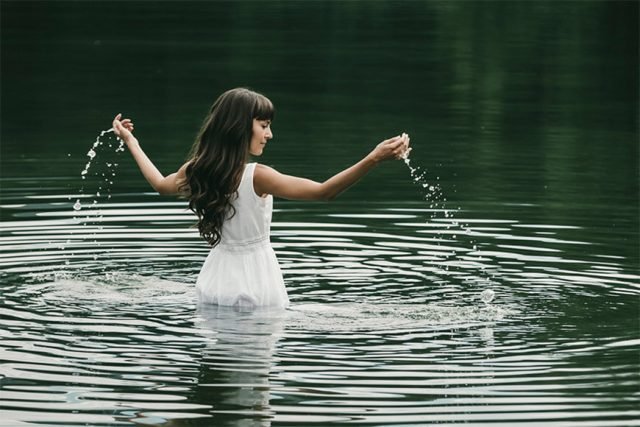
<point x="242" y="270"/>
<point x="251" y="221"/>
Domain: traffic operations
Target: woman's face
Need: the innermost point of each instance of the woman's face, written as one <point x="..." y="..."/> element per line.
<point x="261" y="134"/>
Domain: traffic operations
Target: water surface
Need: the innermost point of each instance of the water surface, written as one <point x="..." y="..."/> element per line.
<point x="523" y="119"/>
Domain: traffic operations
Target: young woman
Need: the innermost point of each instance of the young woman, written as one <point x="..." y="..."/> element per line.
<point x="233" y="199"/>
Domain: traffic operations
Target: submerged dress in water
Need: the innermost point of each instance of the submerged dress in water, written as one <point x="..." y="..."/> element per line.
<point x="242" y="270"/>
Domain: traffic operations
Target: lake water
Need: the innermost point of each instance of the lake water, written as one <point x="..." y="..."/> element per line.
<point x="523" y="118"/>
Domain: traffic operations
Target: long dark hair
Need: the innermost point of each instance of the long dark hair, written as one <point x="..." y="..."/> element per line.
<point x="218" y="157"/>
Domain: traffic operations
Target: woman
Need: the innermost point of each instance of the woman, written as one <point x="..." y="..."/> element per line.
<point x="233" y="199"/>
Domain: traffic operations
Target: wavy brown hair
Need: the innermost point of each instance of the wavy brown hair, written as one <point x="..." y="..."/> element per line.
<point x="219" y="155"/>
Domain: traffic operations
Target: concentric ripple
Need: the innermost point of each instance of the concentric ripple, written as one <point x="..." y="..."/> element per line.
<point x="389" y="325"/>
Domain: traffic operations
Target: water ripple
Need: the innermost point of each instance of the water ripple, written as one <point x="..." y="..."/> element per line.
<point x="100" y="322"/>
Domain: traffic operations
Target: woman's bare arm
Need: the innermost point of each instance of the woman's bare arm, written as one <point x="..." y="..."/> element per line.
<point x="167" y="185"/>
<point x="269" y="181"/>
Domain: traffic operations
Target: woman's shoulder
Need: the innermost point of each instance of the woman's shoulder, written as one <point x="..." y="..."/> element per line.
<point x="263" y="170"/>
<point x="263" y="175"/>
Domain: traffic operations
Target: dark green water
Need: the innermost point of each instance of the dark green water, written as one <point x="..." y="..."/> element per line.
<point x="523" y="116"/>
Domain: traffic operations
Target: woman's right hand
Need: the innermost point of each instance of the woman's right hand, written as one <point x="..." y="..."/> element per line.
<point x="123" y="128"/>
<point x="392" y="148"/>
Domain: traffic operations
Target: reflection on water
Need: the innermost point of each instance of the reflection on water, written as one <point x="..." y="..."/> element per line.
<point x="236" y="363"/>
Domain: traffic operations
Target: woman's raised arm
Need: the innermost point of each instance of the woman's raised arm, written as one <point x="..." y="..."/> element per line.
<point x="167" y="185"/>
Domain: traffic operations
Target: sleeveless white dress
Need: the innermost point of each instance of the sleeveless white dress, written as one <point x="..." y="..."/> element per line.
<point x="242" y="270"/>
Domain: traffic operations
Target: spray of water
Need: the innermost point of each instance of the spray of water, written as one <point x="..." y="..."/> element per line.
<point x="432" y="192"/>
<point x="91" y="154"/>
<point x="487" y="296"/>
<point x="96" y="185"/>
<point x="434" y="195"/>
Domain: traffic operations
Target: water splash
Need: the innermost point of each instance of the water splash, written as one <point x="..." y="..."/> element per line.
<point x="434" y="195"/>
<point x="432" y="191"/>
<point x="487" y="296"/>
<point x="97" y="190"/>
<point x="363" y="317"/>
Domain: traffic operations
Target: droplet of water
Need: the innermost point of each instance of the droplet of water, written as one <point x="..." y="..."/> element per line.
<point x="77" y="206"/>
<point x="91" y="154"/>
<point x="487" y="296"/>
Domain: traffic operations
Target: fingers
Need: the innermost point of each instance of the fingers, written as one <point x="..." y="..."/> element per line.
<point x="397" y="140"/>
<point x="401" y="146"/>
<point x="127" y="124"/>
<point x="404" y="149"/>
<point x="118" y="118"/>
<point x="392" y="140"/>
<point x="393" y="148"/>
<point x="406" y="142"/>
<point x="120" y="124"/>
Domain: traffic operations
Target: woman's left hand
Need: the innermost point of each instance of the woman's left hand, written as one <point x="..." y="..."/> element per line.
<point x="392" y="148"/>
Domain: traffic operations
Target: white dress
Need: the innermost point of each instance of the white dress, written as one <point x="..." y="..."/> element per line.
<point x="242" y="270"/>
